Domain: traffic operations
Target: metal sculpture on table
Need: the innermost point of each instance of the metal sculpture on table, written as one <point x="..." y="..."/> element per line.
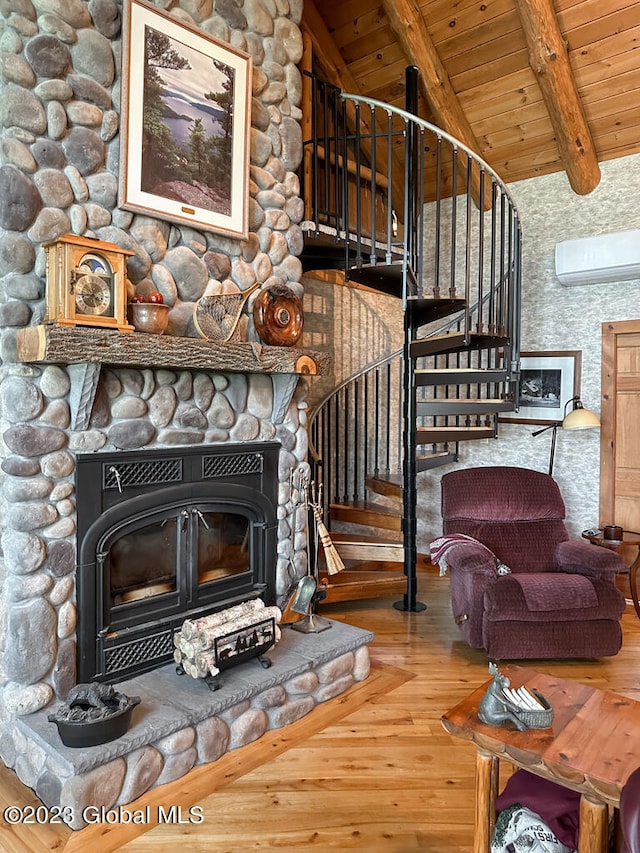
<point x="501" y="704"/>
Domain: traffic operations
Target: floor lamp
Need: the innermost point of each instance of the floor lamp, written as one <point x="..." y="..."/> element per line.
<point x="577" y="418"/>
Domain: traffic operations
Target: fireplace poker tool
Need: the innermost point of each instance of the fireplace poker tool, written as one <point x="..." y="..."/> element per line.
<point x="312" y="623"/>
<point x="301" y="598"/>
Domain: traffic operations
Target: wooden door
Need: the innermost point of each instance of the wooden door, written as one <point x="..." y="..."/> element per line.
<point x="620" y="434"/>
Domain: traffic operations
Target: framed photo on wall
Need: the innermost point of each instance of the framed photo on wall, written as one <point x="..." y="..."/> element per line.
<point x="185" y="124"/>
<point x="548" y="380"/>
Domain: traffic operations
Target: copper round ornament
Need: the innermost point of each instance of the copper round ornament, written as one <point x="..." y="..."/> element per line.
<point x="278" y="317"/>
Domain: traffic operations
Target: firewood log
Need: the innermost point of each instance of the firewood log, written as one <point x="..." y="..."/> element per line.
<point x="190" y="627"/>
<point x="206" y="637"/>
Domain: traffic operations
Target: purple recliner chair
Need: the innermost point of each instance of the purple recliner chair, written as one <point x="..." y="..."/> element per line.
<point x="559" y="599"/>
<point x="630" y="814"/>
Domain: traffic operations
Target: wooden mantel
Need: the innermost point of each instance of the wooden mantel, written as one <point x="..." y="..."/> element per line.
<point x="54" y="344"/>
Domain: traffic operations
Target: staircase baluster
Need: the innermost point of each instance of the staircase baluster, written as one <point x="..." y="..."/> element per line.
<point x="514" y="320"/>
<point x="366" y="437"/>
<point x="315" y="148"/>
<point x="338" y="445"/>
<point x="492" y="289"/>
<point x="355" y="426"/>
<point x="481" y="221"/>
<point x="467" y="257"/>
<point x="387" y="467"/>
<point x="344" y="187"/>
<point x="326" y="143"/>
<point x="374" y="194"/>
<point x="326" y="470"/>
<point x="438" y="223"/>
<point x="358" y="194"/>
<point x="346" y="433"/>
<point x="501" y="305"/>
<point x="421" y="208"/>
<point x="391" y="177"/>
<point x="398" y="420"/>
<point x="454" y="206"/>
<point x="376" y="417"/>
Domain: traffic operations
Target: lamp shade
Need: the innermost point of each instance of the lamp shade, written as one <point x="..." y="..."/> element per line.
<point x="580" y="418"/>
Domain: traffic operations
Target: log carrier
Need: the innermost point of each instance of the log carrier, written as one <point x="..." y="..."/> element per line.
<point x="206" y="646"/>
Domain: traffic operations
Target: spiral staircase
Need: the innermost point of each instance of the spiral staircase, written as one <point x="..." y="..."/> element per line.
<point x="406" y="210"/>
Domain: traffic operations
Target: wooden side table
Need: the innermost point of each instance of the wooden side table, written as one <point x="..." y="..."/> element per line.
<point x="592" y="746"/>
<point x="596" y="537"/>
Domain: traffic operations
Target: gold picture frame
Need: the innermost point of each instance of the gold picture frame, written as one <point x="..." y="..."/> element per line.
<point x="185" y="124"/>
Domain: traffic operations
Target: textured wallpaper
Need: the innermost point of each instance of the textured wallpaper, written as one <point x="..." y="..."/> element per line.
<point x="555" y="317"/>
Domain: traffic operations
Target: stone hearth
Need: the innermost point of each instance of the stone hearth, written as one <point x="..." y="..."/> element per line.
<point x="60" y="141"/>
<point x="180" y="723"/>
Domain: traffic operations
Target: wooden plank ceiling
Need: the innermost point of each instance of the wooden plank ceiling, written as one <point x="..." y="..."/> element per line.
<point x="532" y="86"/>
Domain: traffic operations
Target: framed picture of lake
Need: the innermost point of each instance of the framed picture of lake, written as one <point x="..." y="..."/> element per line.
<point x="548" y="381"/>
<point x="185" y="123"/>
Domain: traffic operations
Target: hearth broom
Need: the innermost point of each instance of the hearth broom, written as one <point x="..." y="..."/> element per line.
<point x="332" y="558"/>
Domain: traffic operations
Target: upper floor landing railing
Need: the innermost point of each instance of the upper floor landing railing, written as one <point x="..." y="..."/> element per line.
<point x="388" y="188"/>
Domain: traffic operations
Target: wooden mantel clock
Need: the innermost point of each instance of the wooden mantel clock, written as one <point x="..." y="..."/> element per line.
<point x="86" y="283"/>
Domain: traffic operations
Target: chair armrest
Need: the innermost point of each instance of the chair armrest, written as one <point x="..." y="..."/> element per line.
<point x="592" y="561"/>
<point x="468" y="558"/>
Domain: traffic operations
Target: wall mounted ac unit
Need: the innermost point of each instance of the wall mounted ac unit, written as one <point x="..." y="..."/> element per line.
<point x="595" y="260"/>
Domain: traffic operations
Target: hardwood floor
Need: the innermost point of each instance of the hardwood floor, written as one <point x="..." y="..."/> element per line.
<point x="375" y="771"/>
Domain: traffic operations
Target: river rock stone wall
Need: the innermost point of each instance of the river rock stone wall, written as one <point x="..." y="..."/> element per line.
<point x="59" y="112"/>
<point x="60" y="63"/>
<point x="134" y="408"/>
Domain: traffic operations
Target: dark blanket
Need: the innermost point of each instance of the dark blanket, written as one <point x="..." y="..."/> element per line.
<point x="558" y="807"/>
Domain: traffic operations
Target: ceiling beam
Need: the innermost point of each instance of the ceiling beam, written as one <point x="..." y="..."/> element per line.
<point x="549" y="61"/>
<point x="409" y="28"/>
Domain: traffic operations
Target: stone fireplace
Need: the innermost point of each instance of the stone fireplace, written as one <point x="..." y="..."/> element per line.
<point x="165" y="536"/>
<point x="68" y="495"/>
<point x="66" y="405"/>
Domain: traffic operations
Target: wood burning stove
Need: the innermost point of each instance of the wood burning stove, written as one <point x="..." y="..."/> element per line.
<point x="166" y="535"/>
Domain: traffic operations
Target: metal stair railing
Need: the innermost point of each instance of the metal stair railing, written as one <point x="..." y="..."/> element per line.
<point x="413" y="212"/>
<point x="355" y="431"/>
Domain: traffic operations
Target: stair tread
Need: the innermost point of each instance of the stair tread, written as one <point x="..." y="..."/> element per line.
<point x="450" y="408"/>
<point x="427" y="461"/>
<point x="358" y="575"/>
<point x="454" y="429"/>
<point x="362" y="585"/>
<point x="383" y="277"/>
<point x="456" y="342"/>
<point x="474" y="401"/>
<point x="339" y="538"/>
<point x="365" y="506"/>
<point x="367" y="514"/>
<point x="444" y="371"/>
<point x="423" y="310"/>
<point x="390" y="485"/>
<point x="459" y="335"/>
<point x="445" y="434"/>
<point x="385" y="478"/>
<point x="460" y="376"/>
